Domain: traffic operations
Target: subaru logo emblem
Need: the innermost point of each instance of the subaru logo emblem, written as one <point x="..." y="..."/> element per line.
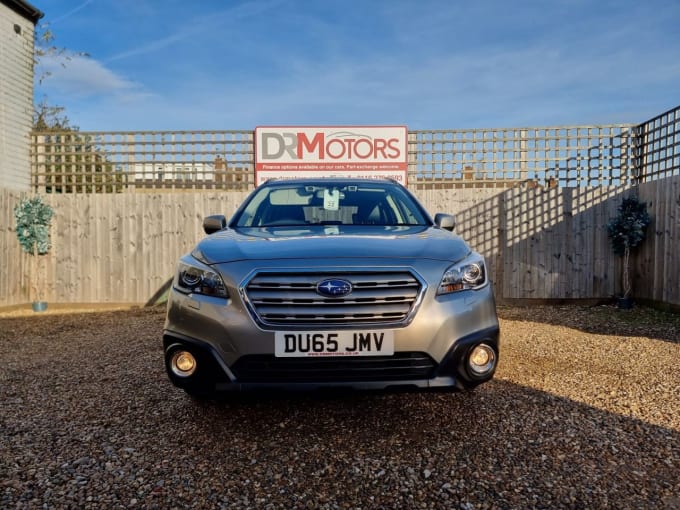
<point x="334" y="288"/>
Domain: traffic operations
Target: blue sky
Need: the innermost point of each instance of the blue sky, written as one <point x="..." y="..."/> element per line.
<point x="428" y="64"/>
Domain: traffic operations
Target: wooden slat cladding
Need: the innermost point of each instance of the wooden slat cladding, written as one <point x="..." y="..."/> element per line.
<point x="14" y="288"/>
<point x="656" y="274"/>
<point x="117" y="248"/>
<point x="16" y="96"/>
<point x="539" y="243"/>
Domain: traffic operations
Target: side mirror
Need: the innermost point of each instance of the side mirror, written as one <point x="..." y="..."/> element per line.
<point x="215" y="223"/>
<point x="445" y="221"/>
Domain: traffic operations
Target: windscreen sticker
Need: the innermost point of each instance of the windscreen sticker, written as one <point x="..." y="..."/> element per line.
<point x="331" y="200"/>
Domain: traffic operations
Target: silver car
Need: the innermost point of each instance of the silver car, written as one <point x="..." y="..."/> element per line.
<point x="330" y="283"/>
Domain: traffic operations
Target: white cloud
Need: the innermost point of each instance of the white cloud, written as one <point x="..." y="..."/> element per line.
<point x="206" y="23"/>
<point x="153" y="46"/>
<point x="444" y="71"/>
<point x="79" y="76"/>
<point x="70" y="13"/>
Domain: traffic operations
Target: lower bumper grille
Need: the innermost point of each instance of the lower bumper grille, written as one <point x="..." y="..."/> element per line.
<point x="265" y="368"/>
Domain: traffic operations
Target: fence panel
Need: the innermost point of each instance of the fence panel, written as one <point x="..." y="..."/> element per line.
<point x="657" y="150"/>
<point x="99" y="162"/>
<point x="557" y="245"/>
<point x="656" y="275"/>
<point x="562" y="156"/>
<point x="540" y="243"/>
<point x="108" y="248"/>
<point x="534" y="201"/>
<point x="567" y="156"/>
<point x="122" y="248"/>
<point x="479" y="219"/>
<point x="14" y="286"/>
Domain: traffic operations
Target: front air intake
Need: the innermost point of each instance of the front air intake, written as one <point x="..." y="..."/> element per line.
<point x="292" y="299"/>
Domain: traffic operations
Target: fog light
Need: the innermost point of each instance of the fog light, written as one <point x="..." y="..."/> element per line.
<point x="183" y="363"/>
<point x="482" y="359"/>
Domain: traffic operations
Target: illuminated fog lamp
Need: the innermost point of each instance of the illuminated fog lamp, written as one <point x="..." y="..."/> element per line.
<point x="482" y="359"/>
<point x="183" y="363"/>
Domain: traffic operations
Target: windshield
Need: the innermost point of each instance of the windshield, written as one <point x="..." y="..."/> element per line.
<point x="330" y="203"/>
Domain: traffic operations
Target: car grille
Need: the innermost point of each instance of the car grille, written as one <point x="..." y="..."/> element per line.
<point x="290" y="299"/>
<point x="266" y="368"/>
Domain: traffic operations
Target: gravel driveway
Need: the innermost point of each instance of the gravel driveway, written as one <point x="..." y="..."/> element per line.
<point x="583" y="412"/>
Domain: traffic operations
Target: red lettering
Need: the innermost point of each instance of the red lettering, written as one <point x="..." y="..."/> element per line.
<point x="346" y="148"/>
<point x="368" y="152"/>
<point x="349" y="143"/>
<point x="304" y="143"/>
<point x="380" y="144"/>
<point x="392" y="144"/>
<point x="333" y="154"/>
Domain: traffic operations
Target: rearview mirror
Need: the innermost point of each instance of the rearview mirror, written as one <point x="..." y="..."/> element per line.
<point x="215" y="223"/>
<point x="445" y="221"/>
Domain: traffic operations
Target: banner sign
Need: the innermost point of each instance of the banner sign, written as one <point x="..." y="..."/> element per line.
<point x="343" y="151"/>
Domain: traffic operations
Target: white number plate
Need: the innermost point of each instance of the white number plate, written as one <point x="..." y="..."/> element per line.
<point x="334" y="343"/>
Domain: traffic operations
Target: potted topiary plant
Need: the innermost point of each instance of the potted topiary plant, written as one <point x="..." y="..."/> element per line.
<point x="627" y="231"/>
<point x="33" y="219"/>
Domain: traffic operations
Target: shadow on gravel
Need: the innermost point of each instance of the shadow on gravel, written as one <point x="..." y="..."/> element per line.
<point x="504" y="444"/>
<point x="641" y="321"/>
<point x="90" y="420"/>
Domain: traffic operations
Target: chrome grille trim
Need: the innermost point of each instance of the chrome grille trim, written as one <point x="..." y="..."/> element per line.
<point x="289" y="298"/>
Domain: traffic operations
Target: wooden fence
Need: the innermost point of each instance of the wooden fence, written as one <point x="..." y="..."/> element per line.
<point x="540" y="243"/>
<point x="132" y="162"/>
<point x="78" y="162"/>
<point x="656" y="147"/>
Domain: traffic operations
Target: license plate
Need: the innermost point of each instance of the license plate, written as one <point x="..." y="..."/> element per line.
<point x="295" y="344"/>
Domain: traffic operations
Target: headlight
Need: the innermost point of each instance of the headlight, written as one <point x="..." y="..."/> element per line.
<point x="199" y="279"/>
<point x="468" y="274"/>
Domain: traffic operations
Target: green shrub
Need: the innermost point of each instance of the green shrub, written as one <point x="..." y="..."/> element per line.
<point x="627" y="231"/>
<point x="33" y="218"/>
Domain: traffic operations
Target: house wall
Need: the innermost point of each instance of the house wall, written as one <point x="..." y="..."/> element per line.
<point x="16" y="98"/>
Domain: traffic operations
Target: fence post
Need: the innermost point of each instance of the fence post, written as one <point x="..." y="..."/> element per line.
<point x="411" y="171"/>
<point x="636" y="161"/>
<point x="38" y="163"/>
<point x="502" y="246"/>
<point x="523" y="174"/>
<point x="132" y="165"/>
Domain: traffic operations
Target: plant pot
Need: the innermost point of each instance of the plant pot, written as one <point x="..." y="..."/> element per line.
<point x="39" y="306"/>
<point x="625" y="303"/>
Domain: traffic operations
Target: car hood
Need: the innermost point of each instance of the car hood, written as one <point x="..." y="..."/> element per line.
<point x="331" y="242"/>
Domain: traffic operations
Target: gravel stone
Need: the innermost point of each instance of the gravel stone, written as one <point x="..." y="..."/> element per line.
<point x="582" y="413"/>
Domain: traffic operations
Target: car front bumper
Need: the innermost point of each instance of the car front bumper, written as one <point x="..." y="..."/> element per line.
<point x="214" y="375"/>
<point x="235" y="353"/>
